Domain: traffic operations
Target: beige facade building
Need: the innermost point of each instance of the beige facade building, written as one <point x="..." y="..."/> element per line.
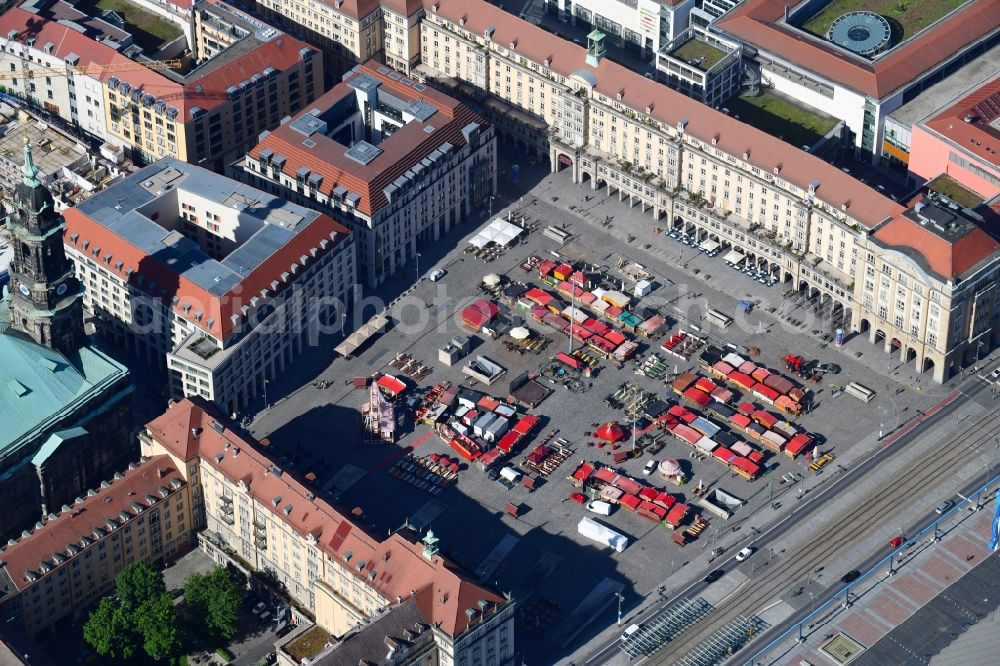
<point x="348" y="31"/>
<point x="247" y="76"/>
<point x="223" y="283"/>
<point x="398" y="162"/>
<point x="798" y="218"/>
<point x="339" y="575"/>
<point x="790" y="213"/>
<point x="70" y="560"/>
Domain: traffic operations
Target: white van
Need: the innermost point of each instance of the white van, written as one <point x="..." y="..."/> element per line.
<point x="628" y="632"/>
<point x="600" y="507"/>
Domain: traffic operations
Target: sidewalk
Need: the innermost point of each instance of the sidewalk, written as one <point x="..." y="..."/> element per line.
<point x="883" y="602"/>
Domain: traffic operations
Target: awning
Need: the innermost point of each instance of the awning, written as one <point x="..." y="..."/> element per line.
<point x="375" y="325"/>
<point x="734" y="257"/>
<point x="709" y="245"/>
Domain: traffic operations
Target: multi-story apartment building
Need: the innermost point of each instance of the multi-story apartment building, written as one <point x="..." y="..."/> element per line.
<point x="943" y="103"/>
<point x="222" y="281"/>
<point x="794" y="215"/>
<point x="348" y="31"/>
<point x="928" y="285"/>
<point x="398" y="162"/>
<point x="961" y="138"/>
<point x="68" y="561"/>
<point x="703" y="65"/>
<point x="643" y="25"/>
<point x="246" y="77"/>
<point x="265" y="519"/>
<point x="868" y="68"/>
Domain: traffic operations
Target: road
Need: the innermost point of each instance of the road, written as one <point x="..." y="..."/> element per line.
<point x="925" y="522"/>
<point x="874" y="512"/>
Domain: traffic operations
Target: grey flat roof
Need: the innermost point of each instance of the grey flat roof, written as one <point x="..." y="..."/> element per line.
<point x="984" y="68"/>
<point x="115" y="209"/>
<point x="363" y="152"/>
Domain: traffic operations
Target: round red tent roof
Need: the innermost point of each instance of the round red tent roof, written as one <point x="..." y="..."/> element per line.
<point x="611" y="432"/>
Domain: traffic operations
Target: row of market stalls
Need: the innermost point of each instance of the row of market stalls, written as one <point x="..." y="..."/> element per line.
<point x="766" y="385"/>
<point x="477" y="426"/>
<point x="759" y="427"/>
<point x="591" y="322"/>
<point x="617" y="489"/>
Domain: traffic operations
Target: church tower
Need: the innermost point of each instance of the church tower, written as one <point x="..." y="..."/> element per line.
<point x="46" y="299"/>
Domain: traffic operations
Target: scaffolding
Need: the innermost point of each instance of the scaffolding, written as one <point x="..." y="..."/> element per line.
<point x="663" y="627"/>
<point x="724" y="642"/>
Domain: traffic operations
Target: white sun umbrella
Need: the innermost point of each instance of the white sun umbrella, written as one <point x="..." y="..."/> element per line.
<point x="520" y="333"/>
<point x="491" y="280"/>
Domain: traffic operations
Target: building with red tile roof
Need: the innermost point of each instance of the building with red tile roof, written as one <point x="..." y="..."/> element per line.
<point x="962" y="140"/>
<point x="929" y="285"/>
<point x="141" y="514"/>
<point x="203" y="266"/>
<point x="362" y="148"/>
<point x="196" y="115"/>
<point x="332" y="557"/>
<point x="839" y="82"/>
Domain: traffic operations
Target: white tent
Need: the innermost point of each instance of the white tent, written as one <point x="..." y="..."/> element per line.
<point x="491" y="280"/>
<point x="734" y="257"/>
<point x="520" y="333"/>
<point x="709" y="245"/>
<point x="500" y="232"/>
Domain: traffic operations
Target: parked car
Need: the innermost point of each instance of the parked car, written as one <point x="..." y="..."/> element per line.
<point x="436" y="275"/>
<point x="943" y="506"/>
<point x="259" y="608"/>
<point x="744" y="554"/>
<point x="649" y="468"/>
<point x="266" y="614"/>
<point x="850" y="576"/>
<point x="599" y="507"/>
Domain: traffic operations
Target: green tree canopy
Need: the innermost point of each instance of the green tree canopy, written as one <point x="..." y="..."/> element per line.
<point x="214" y="600"/>
<point x="143" y="616"/>
<point x="157" y="621"/>
<point x="109" y="630"/>
<point x="138" y="582"/>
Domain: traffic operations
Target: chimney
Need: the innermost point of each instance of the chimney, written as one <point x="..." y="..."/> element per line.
<point x="195" y="432"/>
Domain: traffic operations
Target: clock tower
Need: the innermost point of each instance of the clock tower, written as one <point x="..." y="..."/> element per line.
<point x="46" y="299"/>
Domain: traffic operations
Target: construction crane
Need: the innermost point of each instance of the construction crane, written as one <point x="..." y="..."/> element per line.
<point x="92" y="70"/>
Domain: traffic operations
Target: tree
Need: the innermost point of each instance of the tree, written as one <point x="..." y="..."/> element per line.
<point x="138" y="582"/>
<point x="143" y="613"/>
<point x="156" y="619"/>
<point x="214" y="601"/>
<point x="109" y="630"/>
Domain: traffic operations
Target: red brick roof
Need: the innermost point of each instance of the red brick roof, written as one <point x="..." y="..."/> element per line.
<point x="668" y="106"/>
<point x="395" y="567"/>
<point x="65" y="40"/>
<point x="947" y="259"/>
<point x="758" y="22"/>
<point x="977" y="135"/>
<point x="219" y="309"/>
<point x="402" y="7"/>
<point x="402" y="150"/>
<point x="68" y="528"/>
<point x="204" y="88"/>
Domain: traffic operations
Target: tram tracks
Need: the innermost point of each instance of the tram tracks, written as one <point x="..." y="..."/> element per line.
<point x="871" y="513"/>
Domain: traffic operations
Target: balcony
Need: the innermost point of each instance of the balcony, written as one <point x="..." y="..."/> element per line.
<point x="228" y="519"/>
<point x="260" y="542"/>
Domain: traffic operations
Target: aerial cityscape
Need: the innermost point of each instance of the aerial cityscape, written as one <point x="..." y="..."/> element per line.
<point x="481" y="333"/>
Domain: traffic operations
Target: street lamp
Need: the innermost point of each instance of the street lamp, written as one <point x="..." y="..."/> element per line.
<point x="492" y="197"/>
<point x="267" y="405"/>
<point x="621" y="598"/>
<point x="418" y="264"/>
